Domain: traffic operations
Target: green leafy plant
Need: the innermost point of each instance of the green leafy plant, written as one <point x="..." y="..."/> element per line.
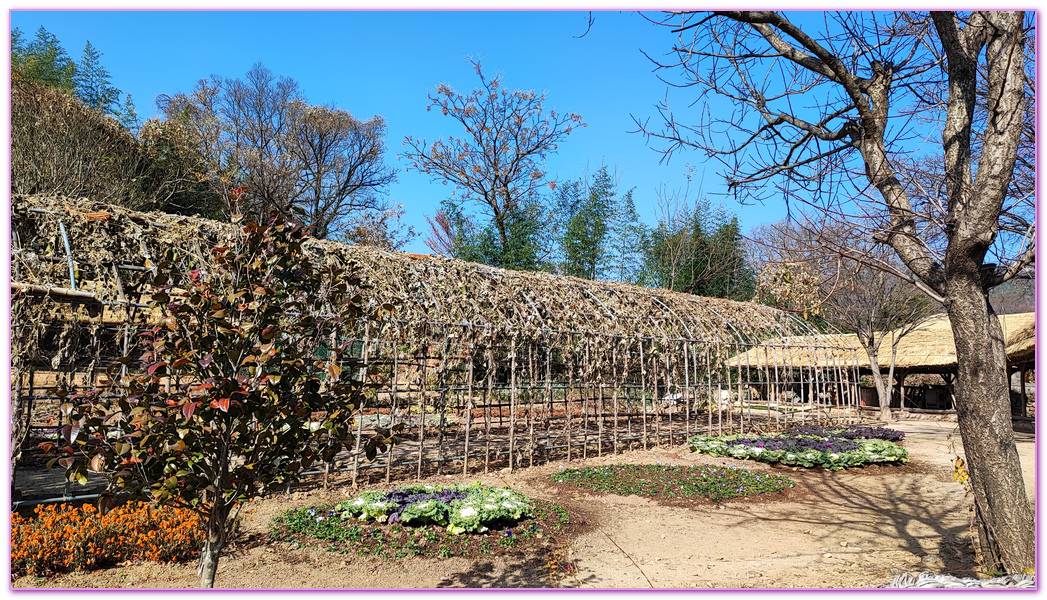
<point x="811" y="451"/>
<point x="537" y="535"/>
<point x="233" y="398"/>
<point x="671" y="481"/>
<point x="472" y="508"/>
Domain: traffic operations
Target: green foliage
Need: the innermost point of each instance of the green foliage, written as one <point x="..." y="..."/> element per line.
<point x="480" y="509"/>
<point x="42" y="60"/>
<point x="672" y="481"/>
<point x="535" y="532"/>
<point x="92" y="83"/>
<point x="600" y="230"/>
<point x="869" y="451"/>
<point x="700" y="251"/>
<point x="628" y="239"/>
<point x="252" y="407"/>
<point x="468" y="239"/>
<point x="128" y="115"/>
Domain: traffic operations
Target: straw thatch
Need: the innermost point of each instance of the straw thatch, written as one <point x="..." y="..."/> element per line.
<point x="927" y="349"/>
<point x="429" y="289"/>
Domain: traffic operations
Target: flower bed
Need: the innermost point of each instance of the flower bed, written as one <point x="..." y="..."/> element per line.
<point x="426" y="529"/>
<point x="61" y="538"/>
<point x="832" y="452"/>
<point x="672" y="481"/>
<point x="853" y="432"/>
<point x="462" y="508"/>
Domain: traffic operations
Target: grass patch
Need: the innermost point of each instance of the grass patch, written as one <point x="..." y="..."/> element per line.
<point x="674" y="481"/>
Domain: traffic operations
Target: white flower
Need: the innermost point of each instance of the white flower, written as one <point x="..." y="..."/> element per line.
<point x="508" y="505"/>
<point x="359" y="502"/>
<point x="490" y="506"/>
<point x="467" y="512"/>
<point x="790" y="456"/>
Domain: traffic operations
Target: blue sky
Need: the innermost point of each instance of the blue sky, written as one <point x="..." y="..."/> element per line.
<point x="373" y="62"/>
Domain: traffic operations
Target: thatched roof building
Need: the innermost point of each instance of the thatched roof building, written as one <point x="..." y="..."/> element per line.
<point x="927" y="349"/>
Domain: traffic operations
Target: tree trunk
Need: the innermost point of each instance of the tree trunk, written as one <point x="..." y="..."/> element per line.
<point x="883" y="393"/>
<point x="213" y="545"/>
<point x="1006" y="527"/>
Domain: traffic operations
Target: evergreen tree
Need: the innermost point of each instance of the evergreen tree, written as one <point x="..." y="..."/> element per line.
<point x="128" y="116"/>
<point x="467" y="240"/>
<point x="18" y="50"/>
<point x="93" y="87"/>
<point x="700" y="251"/>
<point x="43" y="60"/>
<point x="586" y="225"/>
<point x="602" y="235"/>
<point x="627" y="238"/>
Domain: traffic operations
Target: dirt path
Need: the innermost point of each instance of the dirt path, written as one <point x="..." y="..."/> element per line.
<point x="856" y="528"/>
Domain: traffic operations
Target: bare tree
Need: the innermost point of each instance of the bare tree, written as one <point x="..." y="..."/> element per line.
<point x="500" y="162"/>
<point x="266" y="148"/>
<point x="841" y="113"/>
<point x="382" y="229"/>
<point x="847" y="292"/>
<point x="339" y="165"/>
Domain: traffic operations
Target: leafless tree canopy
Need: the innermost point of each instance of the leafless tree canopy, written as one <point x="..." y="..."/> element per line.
<point x="501" y="159"/>
<point x="846" y="111"/>
<point x="258" y="135"/>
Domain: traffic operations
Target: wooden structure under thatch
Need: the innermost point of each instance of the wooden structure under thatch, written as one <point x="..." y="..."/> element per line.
<point x="484" y="365"/>
<point x="927" y="349"/>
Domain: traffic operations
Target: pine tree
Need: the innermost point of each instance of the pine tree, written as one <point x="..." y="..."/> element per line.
<point x="18" y="50"/>
<point x="92" y="83"/>
<point x="627" y="238"/>
<point x="128" y="116"/>
<point x="584" y="240"/>
<point x="44" y="60"/>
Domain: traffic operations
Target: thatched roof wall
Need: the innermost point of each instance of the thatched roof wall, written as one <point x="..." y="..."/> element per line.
<point x="423" y="288"/>
<point x="929" y="348"/>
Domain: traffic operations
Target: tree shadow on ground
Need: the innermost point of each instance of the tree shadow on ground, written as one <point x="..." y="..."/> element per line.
<point x="528" y="573"/>
<point x="895" y="509"/>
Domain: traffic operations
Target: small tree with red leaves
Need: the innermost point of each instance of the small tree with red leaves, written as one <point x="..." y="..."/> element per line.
<point x="249" y="379"/>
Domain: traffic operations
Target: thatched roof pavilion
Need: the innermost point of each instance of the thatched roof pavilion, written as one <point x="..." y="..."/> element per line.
<point x="929" y="348"/>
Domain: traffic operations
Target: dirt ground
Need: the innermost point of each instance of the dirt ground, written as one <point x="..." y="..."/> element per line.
<point x="849" y="529"/>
